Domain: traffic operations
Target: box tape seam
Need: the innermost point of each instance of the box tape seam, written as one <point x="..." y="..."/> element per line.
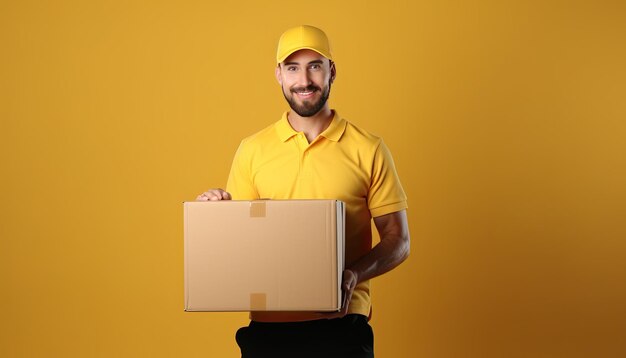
<point x="258" y="302"/>
<point x="257" y="209"/>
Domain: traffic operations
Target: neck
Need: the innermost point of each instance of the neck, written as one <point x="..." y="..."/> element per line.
<point x="311" y="126"/>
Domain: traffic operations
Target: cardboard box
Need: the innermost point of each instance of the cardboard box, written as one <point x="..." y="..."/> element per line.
<point x="266" y="255"/>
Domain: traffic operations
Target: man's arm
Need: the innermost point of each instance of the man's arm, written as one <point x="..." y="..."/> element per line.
<point x="391" y="251"/>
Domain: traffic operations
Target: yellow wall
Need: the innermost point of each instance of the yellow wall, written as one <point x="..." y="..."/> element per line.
<point x="507" y="121"/>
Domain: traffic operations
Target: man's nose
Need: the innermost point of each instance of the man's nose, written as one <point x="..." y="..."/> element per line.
<point x="304" y="79"/>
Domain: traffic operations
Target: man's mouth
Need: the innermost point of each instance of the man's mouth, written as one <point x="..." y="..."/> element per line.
<point x="305" y="93"/>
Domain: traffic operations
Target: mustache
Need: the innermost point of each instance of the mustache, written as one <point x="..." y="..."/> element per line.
<point x="310" y="88"/>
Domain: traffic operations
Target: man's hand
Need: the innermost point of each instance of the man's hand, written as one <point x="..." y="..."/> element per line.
<point x="348" y="284"/>
<point x="213" y="195"/>
<point x="350" y="280"/>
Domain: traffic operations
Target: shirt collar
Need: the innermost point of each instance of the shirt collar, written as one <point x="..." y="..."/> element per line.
<point x="333" y="132"/>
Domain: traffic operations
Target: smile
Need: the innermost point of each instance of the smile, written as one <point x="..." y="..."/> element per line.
<point x="305" y="94"/>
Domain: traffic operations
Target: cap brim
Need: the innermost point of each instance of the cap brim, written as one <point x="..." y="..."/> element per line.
<point x="289" y="53"/>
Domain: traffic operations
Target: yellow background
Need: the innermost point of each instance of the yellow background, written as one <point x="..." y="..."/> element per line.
<point x="507" y="121"/>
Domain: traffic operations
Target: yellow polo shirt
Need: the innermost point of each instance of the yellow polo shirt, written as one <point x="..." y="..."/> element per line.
<point x="344" y="162"/>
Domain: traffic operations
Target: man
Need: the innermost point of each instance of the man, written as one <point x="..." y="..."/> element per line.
<point x="313" y="153"/>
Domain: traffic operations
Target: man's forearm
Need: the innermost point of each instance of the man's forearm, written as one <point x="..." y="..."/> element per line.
<point x="391" y="251"/>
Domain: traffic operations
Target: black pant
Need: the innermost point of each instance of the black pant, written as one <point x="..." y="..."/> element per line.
<point x="349" y="337"/>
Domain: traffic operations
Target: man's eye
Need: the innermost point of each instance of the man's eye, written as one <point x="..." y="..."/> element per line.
<point x="291" y="68"/>
<point x="315" y="67"/>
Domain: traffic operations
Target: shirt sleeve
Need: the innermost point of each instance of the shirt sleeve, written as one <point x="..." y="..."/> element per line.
<point x="240" y="183"/>
<point x="385" y="193"/>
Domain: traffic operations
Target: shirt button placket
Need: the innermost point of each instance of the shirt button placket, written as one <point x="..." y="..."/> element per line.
<point x="304" y="164"/>
<point x="302" y="146"/>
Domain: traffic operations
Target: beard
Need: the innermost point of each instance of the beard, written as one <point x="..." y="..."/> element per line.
<point x="307" y="108"/>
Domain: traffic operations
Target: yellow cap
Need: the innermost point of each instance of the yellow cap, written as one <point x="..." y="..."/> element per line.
<point x="303" y="37"/>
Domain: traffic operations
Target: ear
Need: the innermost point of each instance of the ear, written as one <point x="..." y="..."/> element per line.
<point x="333" y="72"/>
<point x="277" y="73"/>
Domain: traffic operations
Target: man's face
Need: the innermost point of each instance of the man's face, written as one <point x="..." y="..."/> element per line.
<point x="305" y="77"/>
